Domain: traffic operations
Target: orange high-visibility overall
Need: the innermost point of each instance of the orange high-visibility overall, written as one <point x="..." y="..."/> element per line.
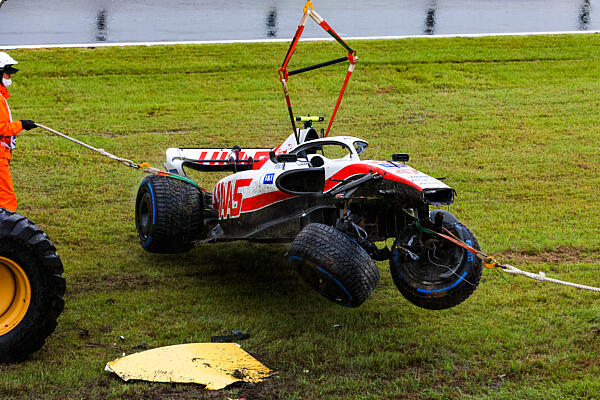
<point x="8" y="132"/>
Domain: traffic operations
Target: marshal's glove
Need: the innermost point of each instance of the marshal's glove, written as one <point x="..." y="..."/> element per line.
<point x="28" y="124"/>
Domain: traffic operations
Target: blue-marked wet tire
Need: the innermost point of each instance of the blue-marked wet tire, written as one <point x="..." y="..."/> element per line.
<point x="444" y="275"/>
<point x="334" y="264"/>
<point x="168" y="215"/>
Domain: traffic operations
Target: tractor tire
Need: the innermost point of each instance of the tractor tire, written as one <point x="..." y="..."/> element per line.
<point x="31" y="287"/>
<point x="334" y="264"/>
<point x="443" y="277"/>
<point x="168" y="215"/>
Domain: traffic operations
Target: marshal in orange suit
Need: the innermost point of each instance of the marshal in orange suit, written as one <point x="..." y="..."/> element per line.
<point x="9" y="130"/>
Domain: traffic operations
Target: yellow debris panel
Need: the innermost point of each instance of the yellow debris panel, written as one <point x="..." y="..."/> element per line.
<point x="215" y="365"/>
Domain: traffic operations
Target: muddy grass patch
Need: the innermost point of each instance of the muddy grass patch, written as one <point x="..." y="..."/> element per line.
<point x="561" y="255"/>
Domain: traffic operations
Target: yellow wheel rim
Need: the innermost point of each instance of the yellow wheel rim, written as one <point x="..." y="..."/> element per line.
<point x="15" y="295"/>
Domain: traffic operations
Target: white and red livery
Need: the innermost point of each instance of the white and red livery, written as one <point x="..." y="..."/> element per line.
<point x="323" y="195"/>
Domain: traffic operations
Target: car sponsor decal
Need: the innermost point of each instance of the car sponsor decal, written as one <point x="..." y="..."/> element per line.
<point x="229" y="198"/>
<point x="225" y="156"/>
<point x="387" y="164"/>
<point x="268" y="180"/>
<point x="215" y="155"/>
<point x="230" y="201"/>
<point x="398" y="168"/>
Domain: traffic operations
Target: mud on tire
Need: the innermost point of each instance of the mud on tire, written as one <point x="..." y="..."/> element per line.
<point x="442" y="277"/>
<point x="31" y="287"/>
<point x="168" y="214"/>
<point x="334" y="264"/>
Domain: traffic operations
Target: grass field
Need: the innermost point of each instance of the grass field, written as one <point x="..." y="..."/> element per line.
<point x="511" y="122"/>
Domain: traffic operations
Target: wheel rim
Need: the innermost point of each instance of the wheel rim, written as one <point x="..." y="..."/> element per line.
<point x="15" y="295"/>
<point x="440" y="265"/>
<point x="437" y="265"/>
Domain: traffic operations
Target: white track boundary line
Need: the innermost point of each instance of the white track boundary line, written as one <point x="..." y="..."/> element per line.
<point x="169" y="43"/>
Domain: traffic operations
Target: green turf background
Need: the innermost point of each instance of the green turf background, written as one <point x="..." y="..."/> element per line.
<point x="511" y="122"/>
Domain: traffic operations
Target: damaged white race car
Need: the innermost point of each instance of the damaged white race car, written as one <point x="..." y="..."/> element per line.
<point x="329" y="203"/>
<point x="315" y="192"/>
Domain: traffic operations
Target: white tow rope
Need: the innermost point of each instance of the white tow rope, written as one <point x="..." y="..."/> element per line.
<point x="124" y="161"/>
<point x="143" y="167"/>
<point x="509" y="269"/>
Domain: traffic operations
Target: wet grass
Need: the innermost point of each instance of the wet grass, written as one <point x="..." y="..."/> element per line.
<point x="512" y="123"/>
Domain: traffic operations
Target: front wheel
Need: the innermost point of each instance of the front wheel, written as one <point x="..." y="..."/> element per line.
<point x="31" y="287"/>
<point x="434" y="273"/>
<point x="334" y="264"/>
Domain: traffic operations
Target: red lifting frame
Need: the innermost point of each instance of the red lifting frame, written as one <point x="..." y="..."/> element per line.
<point x="284" y="74"/>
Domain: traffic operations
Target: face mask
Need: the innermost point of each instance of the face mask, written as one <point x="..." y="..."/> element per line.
<point x="6" y="82"/>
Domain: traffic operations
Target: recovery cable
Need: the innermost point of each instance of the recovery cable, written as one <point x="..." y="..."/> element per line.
<point x="490" y="262"/>
<point x="144" y="167"/>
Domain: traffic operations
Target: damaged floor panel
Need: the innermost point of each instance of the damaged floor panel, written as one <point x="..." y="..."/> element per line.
<point x="215" y="365"/>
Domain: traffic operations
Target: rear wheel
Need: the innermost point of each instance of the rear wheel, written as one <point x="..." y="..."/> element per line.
<point x="168" y="214"/>
<point x="435" y="273"/>
<point x="31" y="287"/>
<point x="334" y="264"/>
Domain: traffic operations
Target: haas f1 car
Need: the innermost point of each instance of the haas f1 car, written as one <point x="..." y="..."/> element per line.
<point x="315" y="191"/>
